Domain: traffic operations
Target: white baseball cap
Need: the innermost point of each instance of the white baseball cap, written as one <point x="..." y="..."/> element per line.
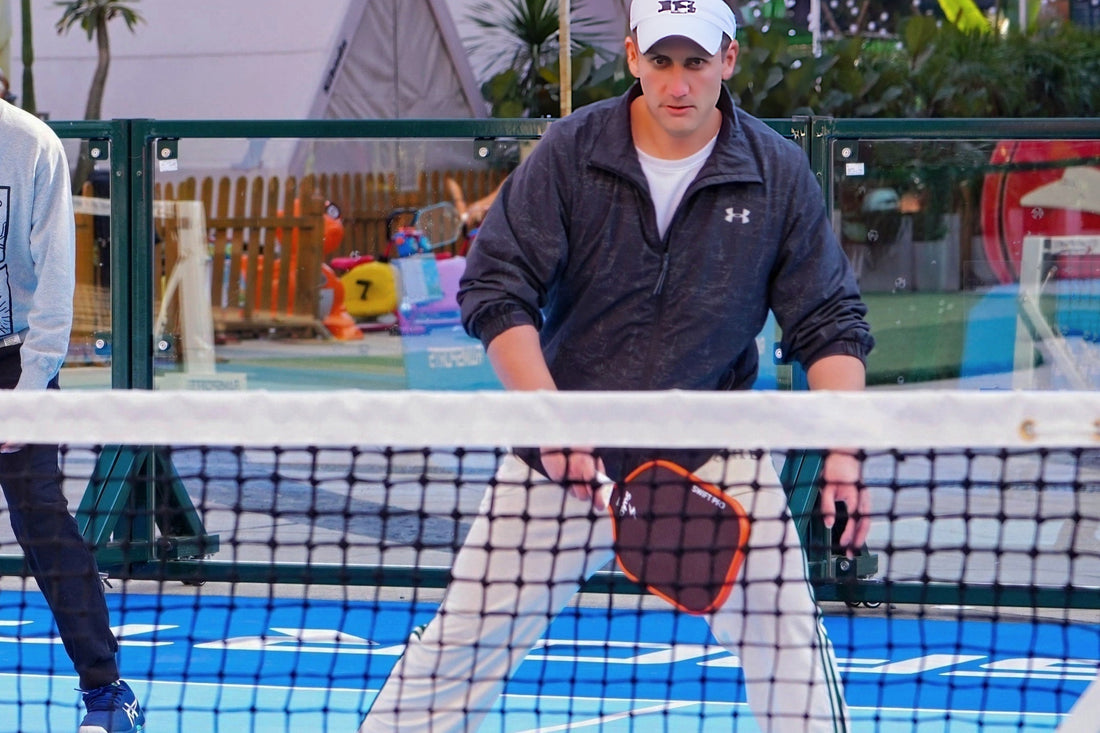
<point x="702" y="21"/>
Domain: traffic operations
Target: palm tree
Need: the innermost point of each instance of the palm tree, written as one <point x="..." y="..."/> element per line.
<point x="93" y="16"/>
<point x="522" y="36"/>
<point x="29" y="102"/>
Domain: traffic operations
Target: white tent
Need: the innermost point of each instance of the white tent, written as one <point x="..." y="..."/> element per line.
<point x="397" y="59"/>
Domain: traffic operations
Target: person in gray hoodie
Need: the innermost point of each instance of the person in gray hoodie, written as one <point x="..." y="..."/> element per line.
<point x="640" y="247"/>
<point x="37" y="274"/>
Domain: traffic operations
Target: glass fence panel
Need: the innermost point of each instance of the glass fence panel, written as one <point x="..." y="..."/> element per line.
<point x="288" y="257"/>
<point x="979" y="258"/>
<point x="88" y="364"/>
<point x="318" y="263"/>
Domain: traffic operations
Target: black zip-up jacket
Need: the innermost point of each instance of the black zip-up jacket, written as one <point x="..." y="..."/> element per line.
<point x="572" y="248"/>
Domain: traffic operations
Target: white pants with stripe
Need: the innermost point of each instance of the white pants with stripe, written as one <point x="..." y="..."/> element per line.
<point x="527" y="553"/>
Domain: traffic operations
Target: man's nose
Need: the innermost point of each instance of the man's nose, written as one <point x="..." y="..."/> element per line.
<point x="678" y="83"/>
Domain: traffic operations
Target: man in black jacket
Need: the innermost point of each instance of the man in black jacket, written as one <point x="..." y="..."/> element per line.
<point x="640" y="247"/>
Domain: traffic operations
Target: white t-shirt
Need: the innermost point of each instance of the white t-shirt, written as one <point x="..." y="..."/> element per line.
<point x="668" y="179"/>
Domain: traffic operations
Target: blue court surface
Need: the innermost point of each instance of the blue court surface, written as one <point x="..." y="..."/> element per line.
<point x="219" y="663"/>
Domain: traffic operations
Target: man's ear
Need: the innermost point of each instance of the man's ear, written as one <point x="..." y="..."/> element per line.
<point x="729" y="60"/>
<point x="632" y="55"/>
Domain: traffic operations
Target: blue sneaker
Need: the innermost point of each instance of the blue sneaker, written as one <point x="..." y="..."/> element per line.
<point x="112" y="709"/>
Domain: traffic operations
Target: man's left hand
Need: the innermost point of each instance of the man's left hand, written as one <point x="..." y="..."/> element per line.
<point x="843" y="482"/>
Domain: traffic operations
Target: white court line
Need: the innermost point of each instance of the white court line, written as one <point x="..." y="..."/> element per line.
<point x="136" y="682"/>
<point x="612" y="718"/>
<point x="169" y="716"/>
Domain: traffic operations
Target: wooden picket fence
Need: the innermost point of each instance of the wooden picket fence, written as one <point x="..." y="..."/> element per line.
<point x="367" y="200"/>
<point x="266" y="244"/>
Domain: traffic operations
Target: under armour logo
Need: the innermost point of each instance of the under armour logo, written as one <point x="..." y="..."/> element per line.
<point x="742" y="216"/>
<point x="677" y="6"/>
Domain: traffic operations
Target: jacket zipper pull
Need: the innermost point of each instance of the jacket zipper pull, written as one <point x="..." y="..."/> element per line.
<point x="663" y="275"/>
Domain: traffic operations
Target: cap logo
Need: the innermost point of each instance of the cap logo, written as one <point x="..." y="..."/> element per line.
<point x="676" y="6"/>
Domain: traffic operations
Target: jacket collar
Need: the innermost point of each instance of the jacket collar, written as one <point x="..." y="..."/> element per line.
<point x="731" y="160"/>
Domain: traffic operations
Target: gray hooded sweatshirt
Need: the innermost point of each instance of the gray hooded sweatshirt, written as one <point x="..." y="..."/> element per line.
<point x="37" y="244"/>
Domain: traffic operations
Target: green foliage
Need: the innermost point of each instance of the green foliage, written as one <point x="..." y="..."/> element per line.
<point x="592" y="81"/>
<point x="866" y="80"/>
<point x="853" y="77"/>
<point x="950" y="73"/>
<point x="773" y="77"/>
<point x="525" y="34"/>
<point x="933" y="70"/>
<point x="90" y="14"/>
<point x="1053" y="72"/>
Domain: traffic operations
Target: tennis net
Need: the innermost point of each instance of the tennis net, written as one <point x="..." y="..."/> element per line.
<point x="271" y="555"/>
